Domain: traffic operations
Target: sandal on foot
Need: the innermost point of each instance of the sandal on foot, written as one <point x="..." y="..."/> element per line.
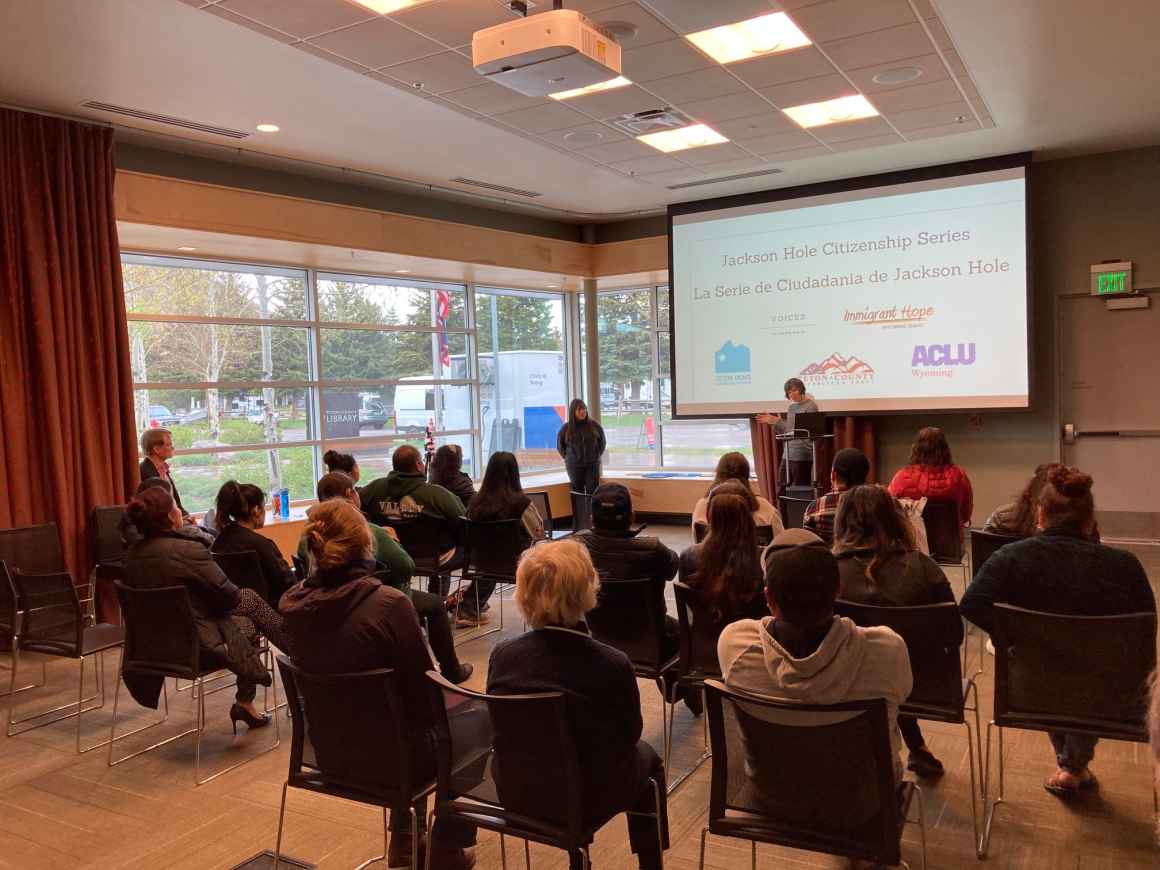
<point x="1054" y="784"/>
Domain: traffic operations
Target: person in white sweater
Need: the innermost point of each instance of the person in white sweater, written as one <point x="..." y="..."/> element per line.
<point x="803" y="652"/>
<point x="734" y="466"/>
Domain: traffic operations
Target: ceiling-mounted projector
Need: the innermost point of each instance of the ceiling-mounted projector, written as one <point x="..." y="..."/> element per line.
<point x="543" y="54"/>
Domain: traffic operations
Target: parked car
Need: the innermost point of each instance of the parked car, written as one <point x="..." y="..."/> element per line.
<point x="373" y="414"/>
<point x="160" y="417"/>
<point x="197" y="415"/>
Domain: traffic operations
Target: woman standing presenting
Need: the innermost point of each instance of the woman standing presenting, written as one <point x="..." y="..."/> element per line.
<point x="799" y="454"/>
<point x="581" y="443"/>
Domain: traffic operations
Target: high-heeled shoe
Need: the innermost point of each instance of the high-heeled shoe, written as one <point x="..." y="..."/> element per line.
<point x="238" y="712"/>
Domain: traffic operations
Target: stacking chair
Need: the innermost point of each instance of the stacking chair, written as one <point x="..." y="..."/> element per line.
<point x="581" y="510"/>
<point x="356" y="744"/>
<point x="943" y="531"/>
<point x="980" y="547"/>
<point x="628" y="618"/>
<point x="509" y="764"/>
<point x="37" y="550"/>
<point x="780" y="777"/>
<point x="1073" y="674"/>
<point x="543" y="507"/>
<point x="697" y="659"/>
<point x="108" y="559"/>
<point x="161" y="641"/>
<point x="52" y="623"/>
<point x="11" y="613"/>
<point x="492" y="550"/>
<point x="940" y="694"/>
<point x="426" y="537"/>
<point x="793" y="509"/>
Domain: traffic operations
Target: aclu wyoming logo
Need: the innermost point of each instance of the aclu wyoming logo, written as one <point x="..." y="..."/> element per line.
<point x="731" y="364"/>
<point x="940" y="360"/>
<point x="838" y="369"/>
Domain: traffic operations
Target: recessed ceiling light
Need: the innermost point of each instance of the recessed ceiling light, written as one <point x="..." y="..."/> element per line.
<point x="186" y="248"/>
<point x="402" y="271"/>
<point x="268" y="128"/>
<point x="553" y="286"/>
<point x="745" y="39"/>
<point x="897" y="76"/>
<point x="618" y="82"/>
<point x="693" y="136"/>
<point x="386" y="7"/>
<point x="832" y="111"/>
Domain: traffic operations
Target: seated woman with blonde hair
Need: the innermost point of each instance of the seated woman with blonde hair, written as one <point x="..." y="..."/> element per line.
<point x="556" y="586"/>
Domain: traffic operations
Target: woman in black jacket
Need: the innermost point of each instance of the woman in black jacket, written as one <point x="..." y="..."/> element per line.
<point x="241" y="509"/>
<point x="447" y="472"/>
<point x="228" y="619"/>
<point x="581" y="443"/>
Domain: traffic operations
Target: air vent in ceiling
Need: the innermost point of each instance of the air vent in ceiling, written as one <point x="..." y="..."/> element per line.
<point x="738" y="177"/>
<point x="498" y="188"/>
<point x="650" y="121"/>
<point x="143" y="115"/>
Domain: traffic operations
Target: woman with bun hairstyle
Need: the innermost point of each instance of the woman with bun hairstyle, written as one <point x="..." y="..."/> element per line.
<point x="241" y="511"/>
<point x="1062" y="570"/>
<point x="933" y="474"/>
<point x="344" y="462"/>
<point x="228" y="619"/>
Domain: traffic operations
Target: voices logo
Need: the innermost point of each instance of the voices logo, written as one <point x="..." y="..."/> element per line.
<point x="940" y="360"/>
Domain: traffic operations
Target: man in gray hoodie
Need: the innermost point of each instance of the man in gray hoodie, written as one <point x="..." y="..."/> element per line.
<point x="803" y="652"/>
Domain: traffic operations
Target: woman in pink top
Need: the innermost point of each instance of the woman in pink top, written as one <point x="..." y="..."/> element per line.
<point x="932" y="473"/>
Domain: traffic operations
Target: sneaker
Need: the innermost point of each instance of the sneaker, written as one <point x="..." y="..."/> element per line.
<point x="922" y="763"/>
<point x="462" y="675"/>
<point x="471" y="620"/>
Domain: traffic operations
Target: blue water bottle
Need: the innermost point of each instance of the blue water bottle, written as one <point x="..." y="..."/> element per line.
<point x="285" y="503"/>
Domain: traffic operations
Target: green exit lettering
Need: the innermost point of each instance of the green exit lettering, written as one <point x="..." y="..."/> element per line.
<point x="1112" y="282"/>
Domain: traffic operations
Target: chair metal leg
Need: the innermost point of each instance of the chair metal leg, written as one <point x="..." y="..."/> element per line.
<point x="113" y="737"/>
<point x="277" y="742"/>
<point x="587" y="858"/>
<point x="73" y="708"/>
<point x="430" y="838"/>
<point x="922" y="820"/>
<point x="527" y="855"/>
<point x="706" y="754"/>
<point x="281" y="821"/>
<point x="660" y="823"/>
<point x="502" y="853"/>
<point x="753" y="852"/>
<point x="985" y="840"/>
<point x="13" y="641"/>
<point x="704" y="835"/>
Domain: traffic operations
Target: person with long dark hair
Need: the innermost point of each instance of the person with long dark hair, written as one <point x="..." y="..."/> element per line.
<point x="580" y="443"/>
<point x="725" y="568"/>
<point x="932" y="473"/>
<point x="447" y="471"/>
<point x="500" y="497"/>
<point x="735" y="466"/>
<point x="879" y="565"/>
<point x="1017" y="518"/>
<point x="241" y="511"/>
<point x="1062" y="570"/>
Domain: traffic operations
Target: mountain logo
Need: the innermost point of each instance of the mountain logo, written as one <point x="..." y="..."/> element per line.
<point x="731" y="363"/>
<point x="838" y="369"/>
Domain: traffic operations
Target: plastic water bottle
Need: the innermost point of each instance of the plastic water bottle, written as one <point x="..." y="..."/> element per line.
<point x="285" y="503"/>
<point x="276" y="504"/>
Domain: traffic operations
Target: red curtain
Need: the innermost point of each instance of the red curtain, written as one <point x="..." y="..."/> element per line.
<point x="67" y="432"/>
<point x="848" y="432"/>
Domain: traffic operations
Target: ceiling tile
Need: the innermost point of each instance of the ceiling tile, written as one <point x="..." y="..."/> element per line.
<point x="690" y="17"/>
<point x="378" y="43"/>
<point x="868" y="142"/>
<point x="648" y="28"/>
<point x="588" y="7"/>
<point x="709" y="154"/>
<point x="672" y="176"/>
<point x="641" y="165"/>
<point x="769" y="122"/>
<point x="776" y="69"/>
<point x="925" y="8"/>
<point x="837" y="19"/>
<point x="930" y="65"/>
<point x="941" y="38"/>
<point x="302" y="18"/>
<point x="488" y="98"/>
<point x="269" y="32"/>
<point x="618" y="101"/>
<point x="452" y="22"/>
<point x="955" y="63"/>
<point x="969" y="88"/>
<point x="439" y="73"/>
<point x="727" y="108"/>
<point x="332" y="58"/>
<point x="541" y="119"/>
<point x="730" y="167"/>
<point x="916" y="97"/>
<point x="944" y="130"/>
<point x="689" y="87"/>
<point x="779" y="142"/>
<point x="932" y="116"/>
<point x="615" y="151"/>
<point x="847" y="130"/>
<point x="662" y="59"/>
<point x="882" y="46"/>
<point x="780" y="157"/>
<point x="584" y="136"/>
<point x="809" y="91"/>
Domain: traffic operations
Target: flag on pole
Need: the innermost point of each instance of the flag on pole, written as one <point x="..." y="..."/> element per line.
<point x="442" y="308"/>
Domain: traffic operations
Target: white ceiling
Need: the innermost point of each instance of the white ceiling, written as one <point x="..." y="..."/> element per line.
<point x="1056" y="76"/>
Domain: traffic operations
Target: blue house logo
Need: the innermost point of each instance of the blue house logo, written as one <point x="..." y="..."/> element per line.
<point x="731" y="363"/>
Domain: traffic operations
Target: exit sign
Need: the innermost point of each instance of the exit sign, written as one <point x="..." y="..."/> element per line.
<point x="1111" y="279"/>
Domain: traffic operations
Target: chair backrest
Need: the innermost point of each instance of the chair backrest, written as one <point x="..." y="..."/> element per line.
<point x="984" y="545"/>
<point x="943" y="530"/>
<point x="700" y="531"/>
<point x="35" y="549"/>
<point x="424" y="536"/>
<point x="581" y="510"/>
<point x="626" y="616"/>
<point x="814" y="773"/>
<point x="513" y="753"/>
<point x="493" y="548"/>
<point x="160" y="632"/>
<point x="764" y="536"/>
<point x="8" y="608"/>
<point x="934" y="660"/>
<point x="1087" y="674"/>
<point x="301" y="569"/>
<point x="52" y="609"/>
<point x="543" y="507"/>
<point x="244" y="569"/>
<point x="354" y="736"/>
<point x="699" y="633"/>
<point x="793" y="509"/>
<point x="108" y="545"/>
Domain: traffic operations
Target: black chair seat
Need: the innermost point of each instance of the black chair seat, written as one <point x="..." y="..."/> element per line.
<point x="96" y="638"/>
<point x="1075" y="725"/>
<point x="650" y="671"/>
<point x="318" y="782"/>
<point x="531" y="829"/>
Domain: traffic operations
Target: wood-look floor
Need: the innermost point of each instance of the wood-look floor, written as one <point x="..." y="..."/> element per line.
<point x="61" y="810"/>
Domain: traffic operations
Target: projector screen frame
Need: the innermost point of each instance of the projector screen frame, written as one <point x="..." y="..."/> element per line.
<point x="1016" y="160"/>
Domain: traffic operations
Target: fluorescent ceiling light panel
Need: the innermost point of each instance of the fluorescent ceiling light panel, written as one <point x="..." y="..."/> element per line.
<point x="832" y="111"/>
<point x="618" y="82"/>
<point x="766" y="34"/>
<point x="693" y="136"/>
<point x="386" y="7"/>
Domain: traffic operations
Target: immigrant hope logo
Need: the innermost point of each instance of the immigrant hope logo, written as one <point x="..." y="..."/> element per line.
<point x="731" y="363"/>
<point x="939" y="360"/>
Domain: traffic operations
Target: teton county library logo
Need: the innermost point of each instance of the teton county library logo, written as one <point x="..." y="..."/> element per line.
<point x="731" y="363"/>
<point x="838" y="369"/>
<point x="939" y="360"/>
